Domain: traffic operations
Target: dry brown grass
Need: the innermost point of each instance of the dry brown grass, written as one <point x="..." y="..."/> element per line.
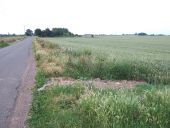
<point x="47" y="61"/>
<point x="97" y="83"/>
<point x="11" y="39"/>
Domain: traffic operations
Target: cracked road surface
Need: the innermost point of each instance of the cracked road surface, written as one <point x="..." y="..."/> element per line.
<point x="13" y="63"/>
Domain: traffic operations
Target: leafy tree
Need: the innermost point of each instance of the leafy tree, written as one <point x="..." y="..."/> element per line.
<point x="142" y="34"/>
<point x="55" y="32"/>
<point x="60" y="32"/>
<point x="92" y="36"/>
<point x="48" y="32"/>
<point x="29" y="32"/>
<point x="38" y="32"/>
<point x="43" y="34"/>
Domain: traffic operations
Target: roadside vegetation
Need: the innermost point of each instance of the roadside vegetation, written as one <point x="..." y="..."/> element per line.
<point x="80" y="105"/>
<point x="2" y="44"/>
<point x="6" y="41"/>
<point x="81" y="62"/>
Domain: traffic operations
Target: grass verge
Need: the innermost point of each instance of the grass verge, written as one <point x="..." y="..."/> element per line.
<point x="84" y="106"/>
<point x="56" y="61"/>
<point x="80" y="106"/>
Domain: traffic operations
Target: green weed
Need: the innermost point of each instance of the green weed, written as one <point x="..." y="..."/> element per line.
<point x="3" y="44"/>
<point x="40" y="79"/>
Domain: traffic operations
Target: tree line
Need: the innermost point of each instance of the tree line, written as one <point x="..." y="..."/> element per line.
<point x="54" y="32"/>
<point x="141" y="34"/>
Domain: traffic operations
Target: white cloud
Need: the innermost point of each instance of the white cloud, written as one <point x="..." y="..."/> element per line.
<point x="86" y="16"/>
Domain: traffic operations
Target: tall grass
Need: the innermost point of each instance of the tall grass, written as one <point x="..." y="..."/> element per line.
<point x="56" y="61"/>
<point x="148" y="48"/>
<point x="101" y="67"/>
<point x="84" y="106"/>
<point x="6" y="41"/>
<point x="11" y="39"/>
<point x="78" y="106"/>
<point x="126" y="108"/>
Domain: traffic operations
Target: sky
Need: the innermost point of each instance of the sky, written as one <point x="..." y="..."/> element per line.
<point x="86" y="16"/>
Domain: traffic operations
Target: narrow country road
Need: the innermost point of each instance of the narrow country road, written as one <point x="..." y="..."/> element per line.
<point x="14" y="61"/>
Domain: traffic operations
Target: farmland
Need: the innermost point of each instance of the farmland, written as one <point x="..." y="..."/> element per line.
<point x="152" y="48"/>
<point x="144" y="59"/>
<point x="148" y="55"/>
<point x="6" y="41"/>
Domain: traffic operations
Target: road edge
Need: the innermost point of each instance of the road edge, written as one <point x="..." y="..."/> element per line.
<point x="23" y="102"/>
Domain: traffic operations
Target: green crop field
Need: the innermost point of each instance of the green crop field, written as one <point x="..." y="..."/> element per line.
<point x="147" y="48"/>
<point x="151" y="53"/>
<point x="107" y="58"/>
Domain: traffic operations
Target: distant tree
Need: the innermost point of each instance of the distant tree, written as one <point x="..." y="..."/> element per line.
<point x="61" y="32"/>
<point x="38" y="32"/>
<point x="43" y="33"/>
<point x="48" y="32"/>
<point x="29" y="32"/>
<point x="152" y="34"/>
<point x="161" y="35"/>
<point x="142" y="34"/>
<point x="13" y="34"/>
<point x="76" y="35"/>
<point x="55" y="32"/>
<point x="92" y="36"/>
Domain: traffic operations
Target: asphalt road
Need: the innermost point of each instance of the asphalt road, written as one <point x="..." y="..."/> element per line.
<point x="13" y="63"/>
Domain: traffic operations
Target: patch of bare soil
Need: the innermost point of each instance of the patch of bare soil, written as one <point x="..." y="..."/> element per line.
<point x="96" y="82"/>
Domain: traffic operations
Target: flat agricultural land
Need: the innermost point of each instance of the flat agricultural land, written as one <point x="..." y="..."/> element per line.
<point x="151" y="51"/>
<point x="102" y="82"/>
<point x="152" y="48"/>
<point x="6" y="41"/>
